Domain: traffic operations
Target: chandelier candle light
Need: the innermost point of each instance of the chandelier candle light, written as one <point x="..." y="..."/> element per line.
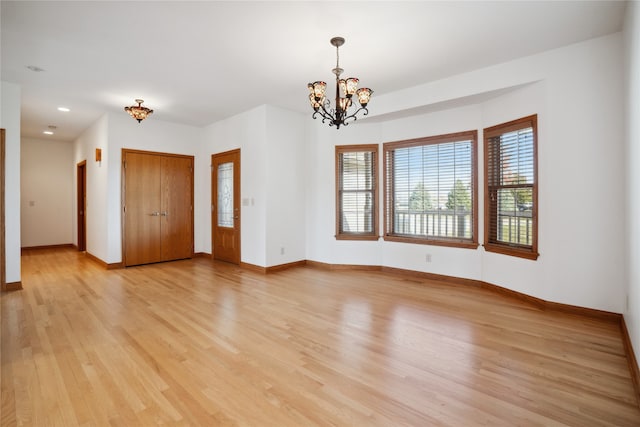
<point x="138" y="112"/>
<point x="348" y="87"/>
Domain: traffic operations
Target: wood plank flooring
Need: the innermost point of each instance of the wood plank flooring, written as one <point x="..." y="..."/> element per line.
<point x="202" y="343"/>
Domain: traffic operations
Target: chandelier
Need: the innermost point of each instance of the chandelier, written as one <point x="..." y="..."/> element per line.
<point x="138" y="112"/>
<point x="348" y="87"/>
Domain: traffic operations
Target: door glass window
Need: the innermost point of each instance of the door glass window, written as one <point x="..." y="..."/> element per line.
<point x="225" y="195"/>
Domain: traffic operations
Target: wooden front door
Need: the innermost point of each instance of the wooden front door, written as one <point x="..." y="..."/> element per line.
<point x="157" y="207"/>
<point x="82" y="205"/>
<point x="225" y="206"/>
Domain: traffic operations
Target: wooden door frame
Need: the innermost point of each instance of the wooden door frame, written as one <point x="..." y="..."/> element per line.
<point x="81" y="211"/>
<point x="236" y="197"/>
<point x="3" y="260"/>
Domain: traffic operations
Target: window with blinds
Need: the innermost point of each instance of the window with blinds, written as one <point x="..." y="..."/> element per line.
<point x="431" y="190"/>
<point x="511" y="203"/>
<point x="356" y="192"/>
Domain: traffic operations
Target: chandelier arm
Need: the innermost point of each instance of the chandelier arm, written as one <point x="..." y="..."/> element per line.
<point x="349" y="119"/>
<point x="353" y="116"/>
<point x="326" y="114"/>
<point x="327" y="111"/>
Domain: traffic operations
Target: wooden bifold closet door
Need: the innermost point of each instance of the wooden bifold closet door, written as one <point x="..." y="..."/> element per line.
<point x="157" y="211"/>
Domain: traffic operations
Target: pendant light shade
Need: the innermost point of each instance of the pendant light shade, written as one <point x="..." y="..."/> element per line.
<point x="138" y="112"/>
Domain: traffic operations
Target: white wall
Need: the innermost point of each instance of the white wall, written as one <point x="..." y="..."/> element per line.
<point x="286" y="178"/>
<point x="632" y="166"/>
<point x="577" y="93"/>
<point x="112" y="133"/>
<point x="465" y="263"/>
<point x="149" y="135"/>
<point x="10" y="120"/>
<point x="581" y="238"/>
<point x="279" y="144"/>
<point x="46" y="192"/>
<point x="246" y="131"/>
<point x="321" y="197"/>
<point x="272" y="148"/>
<point x="96" y="136"/>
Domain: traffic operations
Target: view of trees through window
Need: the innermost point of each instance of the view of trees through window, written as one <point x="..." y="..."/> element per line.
<point x="510" y="201"/>
<point x="515" y="188"/>
<point x="459" y="197"/>
<point x="430" y="188"/>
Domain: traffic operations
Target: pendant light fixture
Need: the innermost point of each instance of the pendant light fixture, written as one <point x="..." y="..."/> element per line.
<point x="338" y="115"/>
<point x="138" y="112"/>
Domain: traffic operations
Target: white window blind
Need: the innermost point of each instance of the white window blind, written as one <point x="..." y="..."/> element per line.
<point x="356" y="191"/>
<point x="431" y="190"/>
<point x="511" y="197"/>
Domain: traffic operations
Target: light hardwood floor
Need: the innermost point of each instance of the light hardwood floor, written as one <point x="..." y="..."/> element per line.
<point x="205" y="344"/>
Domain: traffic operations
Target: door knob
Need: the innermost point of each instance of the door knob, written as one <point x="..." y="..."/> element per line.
<point x="155" y="214"/>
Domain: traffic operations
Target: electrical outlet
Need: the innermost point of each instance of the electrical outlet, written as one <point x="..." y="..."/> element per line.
<point x="427" y="258"/>
<point x="282" y="250"/>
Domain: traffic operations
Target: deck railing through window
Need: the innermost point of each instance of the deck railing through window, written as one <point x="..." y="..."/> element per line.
<point x="436" y="223"/>
<point x="515" y="226"/>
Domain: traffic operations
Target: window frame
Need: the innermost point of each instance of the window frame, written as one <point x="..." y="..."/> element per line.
<point x="491" y="243"/>
<point x="390" y="147"/>
<point x="364" y="148"/>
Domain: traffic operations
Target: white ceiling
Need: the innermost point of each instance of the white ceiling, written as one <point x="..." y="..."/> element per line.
<point x="198" y="62"/>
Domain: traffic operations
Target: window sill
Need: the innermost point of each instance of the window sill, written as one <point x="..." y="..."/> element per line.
<point x="356" y="237"/>
<point x="511" y="251"/>
<point x="449" y="243"/>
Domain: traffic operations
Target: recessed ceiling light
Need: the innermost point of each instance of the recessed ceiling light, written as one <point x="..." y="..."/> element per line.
<point x="64" y="109"/>
<point x="35" y="68"/>
<point x="51" y="129"/>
